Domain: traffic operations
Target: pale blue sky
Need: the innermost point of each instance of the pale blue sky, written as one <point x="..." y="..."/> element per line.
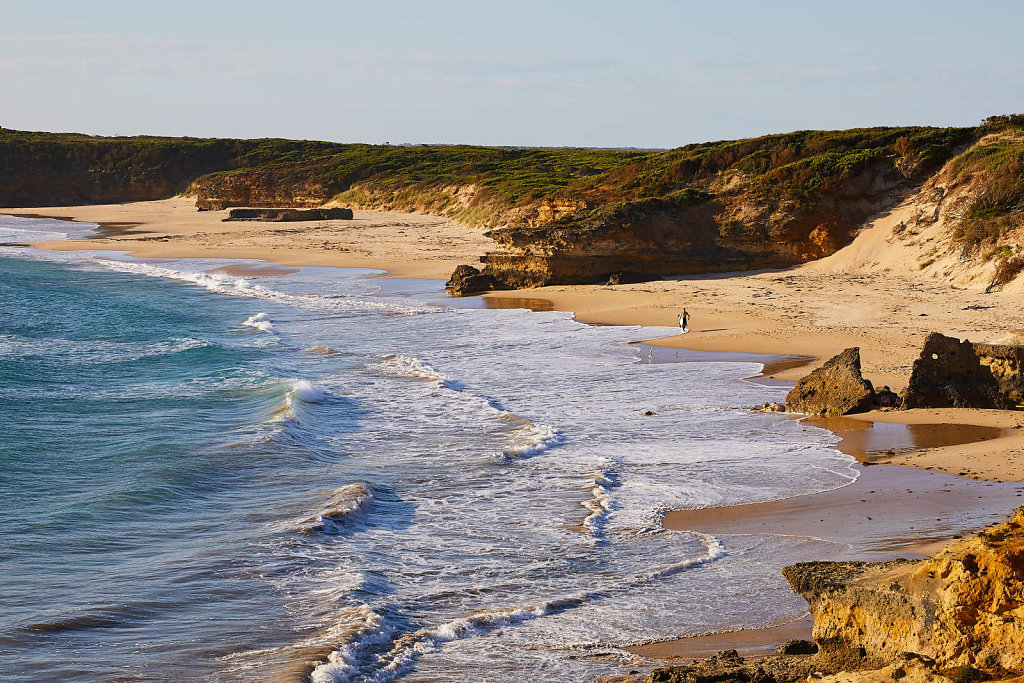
<point x="643" y="74"/>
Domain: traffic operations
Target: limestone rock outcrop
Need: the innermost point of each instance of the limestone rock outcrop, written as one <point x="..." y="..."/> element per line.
<point x="468" y="280"/>
<point x="1006" y="363"/>
<point x="962" y="608"/>
<point x="836" y="388"/>
<point x="285" y="215"/>
<point x="728" y="667"/>
<point x="951" y="374"/>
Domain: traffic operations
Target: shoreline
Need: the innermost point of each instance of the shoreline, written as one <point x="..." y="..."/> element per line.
<point x="721" y="330"/>
<point x="406" y="245"/>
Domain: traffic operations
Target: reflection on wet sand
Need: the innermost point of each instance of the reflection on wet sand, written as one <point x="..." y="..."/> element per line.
<point x="537" y="305"/>
<point x="867" y="441"/>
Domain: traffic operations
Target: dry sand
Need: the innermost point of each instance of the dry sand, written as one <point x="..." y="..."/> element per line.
<point x="406" y="245"/>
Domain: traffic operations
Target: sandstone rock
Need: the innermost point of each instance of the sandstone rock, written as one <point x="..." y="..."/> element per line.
<point x="797" y="647"/>
<point x="912" y="672"/>
<point x="211" y="205"/>
<point x="469" y="280"/>
<point x="836" y="388"/>
<point x="1006" y="363"/>
<point x="728" y="667"/>
<point x="770" y="407"/>
<point x="962" y="608"/>
<point x="950" y="374"/>
<point x="627" y="278"/>
<point x="289" y="215"/>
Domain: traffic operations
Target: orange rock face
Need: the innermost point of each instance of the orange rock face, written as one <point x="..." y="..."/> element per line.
<point x="964" y="607"/>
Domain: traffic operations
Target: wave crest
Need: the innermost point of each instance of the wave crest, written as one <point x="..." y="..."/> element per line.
<point x="260" y="321"/>
<point x="345" y="505"/>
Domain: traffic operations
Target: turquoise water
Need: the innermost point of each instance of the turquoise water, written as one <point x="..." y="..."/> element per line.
<point x="331" y="476"/>
<point x="134" y="434"/>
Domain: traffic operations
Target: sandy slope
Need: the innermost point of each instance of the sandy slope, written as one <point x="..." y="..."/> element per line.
<point x="409" y="245"/>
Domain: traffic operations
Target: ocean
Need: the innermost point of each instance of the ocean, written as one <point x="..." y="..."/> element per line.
<point x="214" y="477"/>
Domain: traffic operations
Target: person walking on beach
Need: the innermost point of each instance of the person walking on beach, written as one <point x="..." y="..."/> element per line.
<point x="684" y="319"/>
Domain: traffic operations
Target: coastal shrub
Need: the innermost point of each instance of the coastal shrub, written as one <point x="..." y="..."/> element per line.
<point x="1007" y="269"/>
<point x="803" y="167"/>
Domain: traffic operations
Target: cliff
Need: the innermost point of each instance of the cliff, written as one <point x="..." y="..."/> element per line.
<point x="44" y="169"/>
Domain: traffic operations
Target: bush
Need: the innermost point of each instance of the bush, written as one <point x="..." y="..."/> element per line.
<point x="1006" y="271"/>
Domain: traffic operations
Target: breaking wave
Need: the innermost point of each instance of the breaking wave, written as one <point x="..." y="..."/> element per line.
<point x="221" y="283"/>
<point x="261" y="321"/>
<point x="345" y="505"/>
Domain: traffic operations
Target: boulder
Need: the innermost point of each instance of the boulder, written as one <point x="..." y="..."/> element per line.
<point x="1006" y="363"/>
<point x="836" y="388"/>
<point x="469" y="280"/>
<point x="950" y="374"/>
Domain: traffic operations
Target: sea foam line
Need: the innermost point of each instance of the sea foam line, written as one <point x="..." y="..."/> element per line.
<point x="343" y="664"/>
<point x="528" y="438"/>
<point x="221" y="283"/>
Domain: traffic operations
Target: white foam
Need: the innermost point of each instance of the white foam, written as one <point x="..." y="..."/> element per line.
<point x="397" y="365"/>
<point x="306" y="392"/>
<point x="221" y="283"/>
<point x="343" y="663"/>
<point x="261" y="321"/>
<point x="529" y="440"/>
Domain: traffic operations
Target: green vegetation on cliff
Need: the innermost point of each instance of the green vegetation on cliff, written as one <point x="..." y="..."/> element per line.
<point x="41" y="168"/>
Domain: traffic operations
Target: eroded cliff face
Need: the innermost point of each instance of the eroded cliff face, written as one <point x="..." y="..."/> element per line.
<point x="964" y="607"/>
<point x="256" y="188"/>
<point x="741" y="227"/>
<point x="61" y="170"/>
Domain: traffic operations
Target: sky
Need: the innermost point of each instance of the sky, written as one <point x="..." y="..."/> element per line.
<point x="598" y="73"/>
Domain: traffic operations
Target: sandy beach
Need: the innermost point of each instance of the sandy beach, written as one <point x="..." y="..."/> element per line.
<point x="940" y="465"/>
<point x="406" y="245"/>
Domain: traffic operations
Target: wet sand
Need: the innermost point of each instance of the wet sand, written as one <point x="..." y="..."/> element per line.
<point x="254" y="270"/>
<point x="889" y="511"/>
<point x="871" y="440"/>
<point x="748" y="642"/>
